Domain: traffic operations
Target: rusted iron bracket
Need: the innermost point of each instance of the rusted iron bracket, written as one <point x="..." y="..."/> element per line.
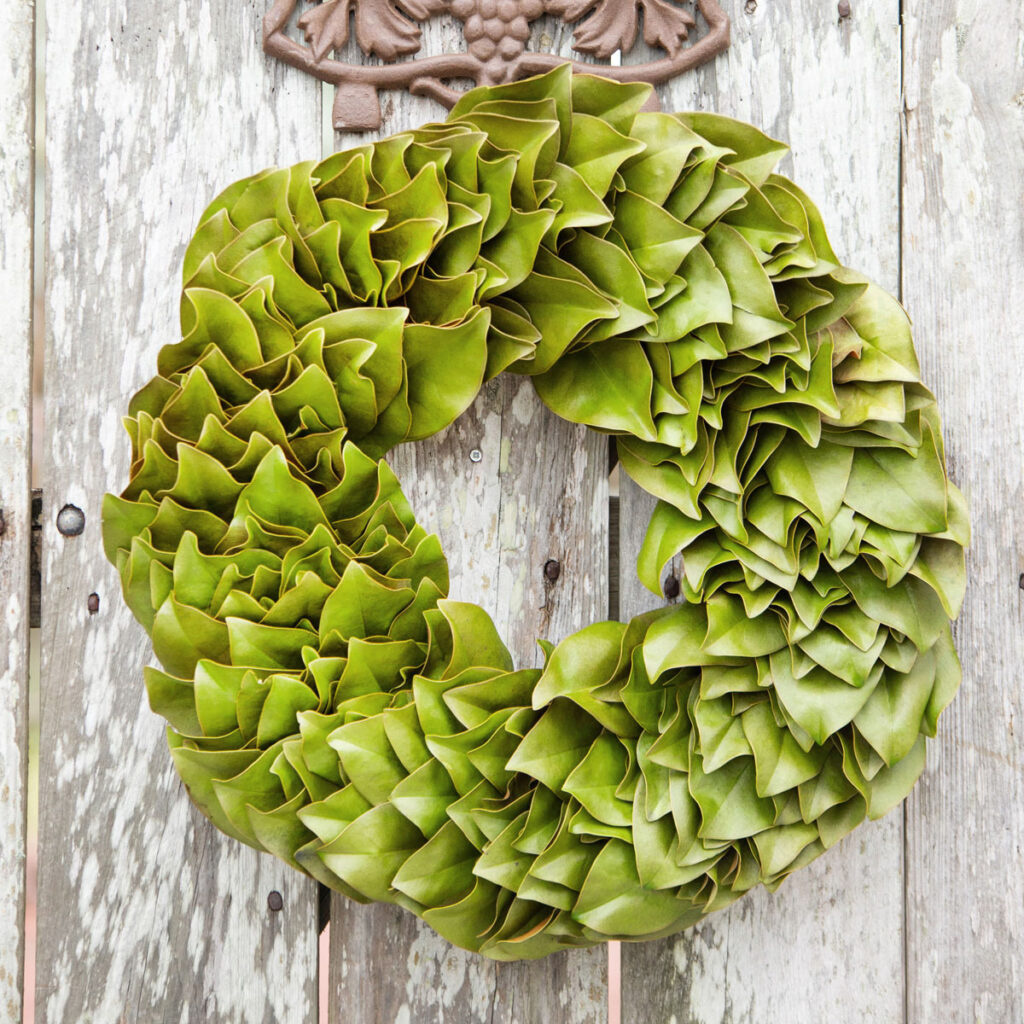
<point x="496" y="32"/>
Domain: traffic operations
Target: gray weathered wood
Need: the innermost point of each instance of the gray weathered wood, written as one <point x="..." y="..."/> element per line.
<point x="539" y="492"/>
<point x="16" y="205"/>
<point x="146" y="913"/>
<point x="963" y="243"/>
<point x="828" y="945"/>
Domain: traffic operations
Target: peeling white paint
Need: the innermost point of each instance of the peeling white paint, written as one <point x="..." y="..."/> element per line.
<point x="964" y="236"/>
<point x="831" y="938"/>
<point x="145" y="913"/>
<point x="16" y="188"/>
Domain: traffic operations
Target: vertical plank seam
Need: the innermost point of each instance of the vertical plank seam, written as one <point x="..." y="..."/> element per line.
<point x="323" y="894"/>
<point x="900" y="225"/>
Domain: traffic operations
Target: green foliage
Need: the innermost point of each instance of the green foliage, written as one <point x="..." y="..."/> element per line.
<point x="327" y="703"/>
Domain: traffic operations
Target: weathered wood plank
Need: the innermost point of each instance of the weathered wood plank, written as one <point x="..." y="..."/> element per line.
<point x="538" y="492"/>
<point x="16" y="212"/>
<point x="831" y="939"/>
<point x="963" y="241"/>
<point x="146" y="913"/>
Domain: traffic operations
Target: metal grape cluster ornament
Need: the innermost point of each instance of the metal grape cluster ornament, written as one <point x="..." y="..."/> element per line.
<point x="496" y="33"/>
<point x="330" y="704"/>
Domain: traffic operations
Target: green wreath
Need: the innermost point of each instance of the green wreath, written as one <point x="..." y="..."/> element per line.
<point x="329" y="704"/>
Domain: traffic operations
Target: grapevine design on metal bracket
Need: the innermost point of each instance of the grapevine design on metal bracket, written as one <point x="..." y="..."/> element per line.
<point x="496" y="32"/>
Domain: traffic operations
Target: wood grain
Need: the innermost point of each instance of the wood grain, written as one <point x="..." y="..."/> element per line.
<point x="538" y="492"/>
<point x="829" y="944"/>
<point x="146" y="913"/>
<point x="963" y="242"/>
<point x="17" y="179"/>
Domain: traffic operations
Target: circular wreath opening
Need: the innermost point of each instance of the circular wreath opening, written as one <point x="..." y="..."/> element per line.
<point x="329" y="704"/>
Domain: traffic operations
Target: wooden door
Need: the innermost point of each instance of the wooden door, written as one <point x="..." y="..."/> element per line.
<point x="907" y="126"/>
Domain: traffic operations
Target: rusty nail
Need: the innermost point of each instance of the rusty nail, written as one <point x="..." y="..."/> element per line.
<point x="552" y="570"/>
<point x="750" y="6"/>
<point x="475" y="455"/>
<point x="70" y="521"/>
<point x="671" y="587"/>
<point x="275" y="901"/>
<point x="1020" y="582"/>
<point x="94" y="603"/>
<point x="844" y="8"/>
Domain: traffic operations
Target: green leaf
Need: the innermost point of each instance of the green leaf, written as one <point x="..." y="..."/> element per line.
<point x="607" y="386"/>
<point x="182" y="635"/>
<point x="445" y="368"/>
<point x="277" y="496"/>
<point x="911" y="607"/>
<point x="816" y="477"/>
<point x="364" y="604"/>
<point x="780" y="763"/>
<point x="440" y="871"/>
<point x="900" y="491"/>
<point x="560" y="309"/>
<point x="370" y="851"/>
<point x="892" y="718"/>
<point x="555" y="745"/>
<point x="598" y="146"/>
<point x="887" y="349"/>
<point x="367" y="758"/>
<point x="613" y="902"/>
<point x="817" y="701"/>
<point x="262" y="646"/>
<point x="595" y="781"/>
<point x="729" y="805"/>
<point x="753" y="154"/>
<point x="585" y="660"/>
<point x="731" y="633"/>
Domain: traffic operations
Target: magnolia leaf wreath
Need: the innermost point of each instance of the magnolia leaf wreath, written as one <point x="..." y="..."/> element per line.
<point x="329" y="704"/>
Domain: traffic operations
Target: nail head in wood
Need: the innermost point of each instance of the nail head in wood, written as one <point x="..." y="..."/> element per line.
<point x="70" y="521"/>
<point x="94" y="603"/>
<point x="844" y="8"/>
<point x="475" y="455"/>
<point x="552" y="570"/>
<point x="275" y="901"/>
<point x="671" y="587"/>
